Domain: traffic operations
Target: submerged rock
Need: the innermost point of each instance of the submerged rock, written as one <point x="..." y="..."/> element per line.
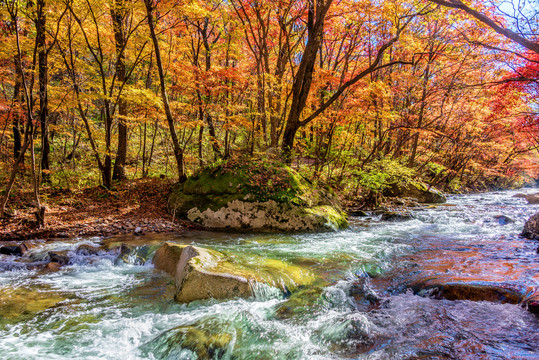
<point x="26" y="302"/>
<point x="301" y="302"/>
<point x="363" y="292"/>
<point x="206" y="339"/>
<point x="474" y="292"/>
<point x="135" y="255"/>
<point x="417" y="190"/>
<point x="503" y="220"/>
<point x="396" y="216"/>
<point x="203" y="273"/>
<point x="531" y="228"/>
<point x="255" y="197"/>
<point x="202" y="342"/>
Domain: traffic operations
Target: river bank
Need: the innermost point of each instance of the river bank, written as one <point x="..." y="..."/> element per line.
<point x="132" y="207"/>
<point x="137" y="206"/>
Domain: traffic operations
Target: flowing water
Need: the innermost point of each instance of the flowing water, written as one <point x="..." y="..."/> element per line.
<point x="384" y="293"/>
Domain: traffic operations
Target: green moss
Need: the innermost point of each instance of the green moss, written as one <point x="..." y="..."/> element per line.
<point x="274" y="272"/>
<point x="205" y="343"/>
<point x="259" y="182"/>
<point x="303" y="302"/>
<point x="214" y="187"/>
<point x="21" y="302"/>
<point x="418" y="185"/>
<point x="336" y="218"/>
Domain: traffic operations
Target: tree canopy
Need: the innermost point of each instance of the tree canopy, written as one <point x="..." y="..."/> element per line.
<point x="350" y="90"/>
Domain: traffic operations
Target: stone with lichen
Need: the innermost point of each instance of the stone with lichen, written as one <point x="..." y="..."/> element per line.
<point x="255" y="197"/>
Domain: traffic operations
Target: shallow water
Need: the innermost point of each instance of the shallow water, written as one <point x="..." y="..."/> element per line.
<point x="95" y="308"/>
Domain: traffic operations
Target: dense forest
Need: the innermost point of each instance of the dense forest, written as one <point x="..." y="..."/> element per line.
<point x="350" y="92"/>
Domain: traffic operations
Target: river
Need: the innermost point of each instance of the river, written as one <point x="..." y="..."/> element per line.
<point x="383" y="294"/>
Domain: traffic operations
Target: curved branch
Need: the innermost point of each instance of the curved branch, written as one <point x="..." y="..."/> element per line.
<point x="457" y="4"/>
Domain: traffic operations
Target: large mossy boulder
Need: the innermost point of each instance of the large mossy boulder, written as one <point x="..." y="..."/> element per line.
<point x="259" y="196"/>
<point x="201" y="273"/>
<point x="415" y="189"/>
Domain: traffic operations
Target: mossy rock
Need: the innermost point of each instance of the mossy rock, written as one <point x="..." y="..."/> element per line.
<point x="20" y="302"/>
<point x="255" y="197"/>
<point x="417" y="190"/>
<point x="201" y="273"/>
<point x="203" y="343"/>
<point x="304" y="302"/>
<point x="204" y="339"/>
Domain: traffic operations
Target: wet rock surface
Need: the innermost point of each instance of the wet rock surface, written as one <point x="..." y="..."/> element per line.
<point x="532" y="198"/>
<point x="531" y="228"/>
<point x="503" y="219"/>
<point x="396" y="216"/>
<point x="201" y="273"/>
<point x="490" y="270"/>
<point x="60" y="257"/>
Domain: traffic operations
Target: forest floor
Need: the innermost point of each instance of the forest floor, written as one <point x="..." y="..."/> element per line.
<point x="137" y="206"/>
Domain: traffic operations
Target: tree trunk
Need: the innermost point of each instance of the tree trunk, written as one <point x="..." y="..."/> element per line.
<point x="43" y="93"/>
<point x="118" y="14"/>
<point x="16" y="114"/>
<point x="178" y="151"/>
<point x="304" y="75"/>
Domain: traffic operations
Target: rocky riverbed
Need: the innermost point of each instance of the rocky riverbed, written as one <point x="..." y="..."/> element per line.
<point x="455" y="281"/>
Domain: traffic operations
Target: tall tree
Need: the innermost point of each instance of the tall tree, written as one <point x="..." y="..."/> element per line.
<point x="178" y="151"/>
<point x="118" y="12"/>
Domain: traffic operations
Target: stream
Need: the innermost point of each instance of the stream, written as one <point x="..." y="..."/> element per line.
<point x="386" y="290"/>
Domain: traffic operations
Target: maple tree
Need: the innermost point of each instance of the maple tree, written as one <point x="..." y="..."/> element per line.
<point x="349" y="91"/>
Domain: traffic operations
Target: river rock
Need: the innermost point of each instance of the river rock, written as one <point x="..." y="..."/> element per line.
<point x="304" y="301"/>
<point x="10" y="250"/>
<point x="396" y="216"/>
<point x="414" y="189"/>
<point x="23" y="302"/>
<point x="363" y="292"/>
<point x="59" y="257"/>
<point x="201" y="273"/>
<point x="531" y="228"/>
<point x="533" y="307"/>
<point x="474" y="292"/>
<point x="53" y="266"/>
<point x="85" y="249"/>
<point x="26" y="246"/>
<point x="206" y="338"/>
<point x="358" y="213"/>
<point x="519" y="196"/>
<point x="202" y="342"/>
<point x="135" y="255"/>
<point x="503" y="220"/>
<point x="532" y="199"/>
<point x="255" y="197"/>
